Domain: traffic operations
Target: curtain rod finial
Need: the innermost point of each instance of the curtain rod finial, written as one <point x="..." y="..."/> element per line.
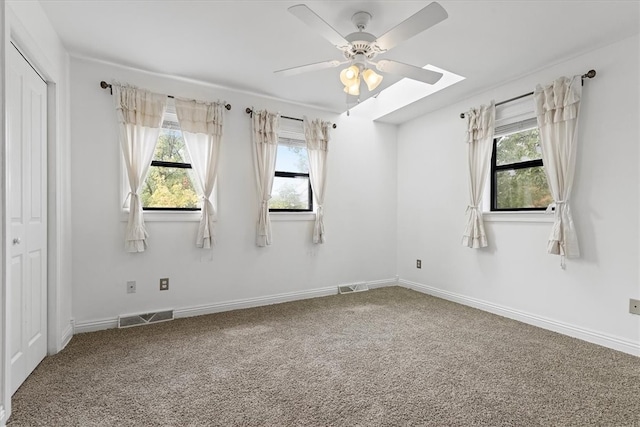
<point x="462" y="115"/>
<point x="590" y="74"/>
<point x="105" y="85"/>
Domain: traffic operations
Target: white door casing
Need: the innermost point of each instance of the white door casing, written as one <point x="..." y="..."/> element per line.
<point x="27" y="220"/>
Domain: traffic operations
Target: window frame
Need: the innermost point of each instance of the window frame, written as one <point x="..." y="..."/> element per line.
<point x="282" y="174"/>
<point x="513" y="116"/>
<point x="495" y="168"/>
<point x="170" y="111"/>
<point x="290" y="135"/>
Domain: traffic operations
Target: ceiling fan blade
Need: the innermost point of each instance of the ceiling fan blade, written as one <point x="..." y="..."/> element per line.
<point x="409" y="71"/>
<point x="310" y="18"/>
<point x="309" y="67"/>
<point x="426" y="18"/>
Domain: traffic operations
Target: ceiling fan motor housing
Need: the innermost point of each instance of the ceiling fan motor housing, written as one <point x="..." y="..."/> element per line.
<point x="361" y="43"/>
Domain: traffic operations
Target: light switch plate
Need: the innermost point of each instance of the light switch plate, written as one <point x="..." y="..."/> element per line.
<point x="634" y="306"/>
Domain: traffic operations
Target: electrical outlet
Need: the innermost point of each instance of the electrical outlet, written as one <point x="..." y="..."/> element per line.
<point x="418" y="263"/>
<point x="131" y="287"/>
<point x="634" y="306"/>
<point x="164" y="284"/>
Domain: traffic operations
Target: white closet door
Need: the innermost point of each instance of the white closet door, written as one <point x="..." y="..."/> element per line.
<point x="26" y="216"/>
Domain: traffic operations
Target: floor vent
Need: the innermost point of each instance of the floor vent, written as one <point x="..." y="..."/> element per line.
<point x="354" y="287"/>
<point x="144" y="319"/>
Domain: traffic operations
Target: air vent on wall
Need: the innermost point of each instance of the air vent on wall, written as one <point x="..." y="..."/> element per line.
<point x="144" y="319"/>
<point x="354" y="287"/>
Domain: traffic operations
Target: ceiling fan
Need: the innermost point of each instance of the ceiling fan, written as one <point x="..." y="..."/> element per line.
<point x="360" y="48"/>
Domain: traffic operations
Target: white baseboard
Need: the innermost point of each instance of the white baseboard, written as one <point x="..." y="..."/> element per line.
<point x="199" y="310"/>
<point x="3" y="419"/>
<point x="253" y="302"/>
<point x="67" y="334"/>
<point x="95" y="325"/>
<point x="373" y="284"/>
<point x="584" y="334"/>
<point x="271" y="299"/>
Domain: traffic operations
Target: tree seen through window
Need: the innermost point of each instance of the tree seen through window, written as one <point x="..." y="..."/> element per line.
<point x="169" y="184"/>
<point x="519" y="179"/>
<point x="291" y="190"/>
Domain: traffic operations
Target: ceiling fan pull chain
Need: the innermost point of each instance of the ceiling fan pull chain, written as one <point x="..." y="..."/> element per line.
<point x="347" y="102"/>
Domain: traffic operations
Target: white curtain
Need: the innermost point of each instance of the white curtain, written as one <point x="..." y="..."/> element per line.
<point x="265" y="142"/>
<point x="480" y="129"/>
<point x="139" y="115"/>
<point x="557" y="109"/>
<point x="201" y="124"/>
<point x="316" y="134"/>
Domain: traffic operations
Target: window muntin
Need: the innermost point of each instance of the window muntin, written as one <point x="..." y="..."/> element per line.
<point x="170" y="182"/>
<point x="518" y="180"/>
<point x="291" y="191"/>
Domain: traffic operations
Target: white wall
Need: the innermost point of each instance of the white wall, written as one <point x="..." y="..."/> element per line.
<point x="27" y="26"/>
<point x="5" y="399"/>
<point x="360" y="212"/>
<point x="514" y="275"/>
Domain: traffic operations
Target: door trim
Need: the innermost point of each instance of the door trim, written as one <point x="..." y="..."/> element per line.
<point x="29" y="49"/>
<point x="5" y="403"/>
<point x="58" y="247"/>
<point x="27" y="207"/>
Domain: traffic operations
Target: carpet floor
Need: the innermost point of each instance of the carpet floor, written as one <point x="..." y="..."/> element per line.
<point x="386" y="357"/>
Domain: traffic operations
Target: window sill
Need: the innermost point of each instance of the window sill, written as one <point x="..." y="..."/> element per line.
<point x="166" y="216"/>
<point x="292" y="216"/>
<point x="536" y="216"/>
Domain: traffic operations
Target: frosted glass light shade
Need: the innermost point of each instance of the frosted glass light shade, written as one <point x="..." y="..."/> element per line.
<point x="350" y="75"/>
<point x="371" y="78"/>
<point x="353" y="89"/>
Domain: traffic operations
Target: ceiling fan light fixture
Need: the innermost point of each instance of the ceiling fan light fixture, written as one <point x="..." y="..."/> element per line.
<point x="360" y="48"/>
<point x="353" y="88"/>
<point x="372" y="79"/>
<point x="350" y="75"/>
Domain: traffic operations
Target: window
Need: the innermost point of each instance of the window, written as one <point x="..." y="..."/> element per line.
<point x="518" y="180"/>
<point x="291" y="191"/>
<point x="170" y="182"/>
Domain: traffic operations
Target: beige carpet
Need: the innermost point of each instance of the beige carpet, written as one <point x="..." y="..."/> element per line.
<point x="386" y="357"/>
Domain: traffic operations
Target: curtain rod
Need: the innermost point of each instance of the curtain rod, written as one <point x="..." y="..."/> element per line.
<point x="589" y="75"/>
<point x="105" y="85"/>
<point x="249" y="110"/>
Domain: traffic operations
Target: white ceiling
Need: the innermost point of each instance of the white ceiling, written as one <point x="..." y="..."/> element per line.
<point x="238" y="44"/>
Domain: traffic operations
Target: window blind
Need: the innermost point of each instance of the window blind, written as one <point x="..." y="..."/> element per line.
<point x="515" y="116"/>
<point x="291" y="130"/>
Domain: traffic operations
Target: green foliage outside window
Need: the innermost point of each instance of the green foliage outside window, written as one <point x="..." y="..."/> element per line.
<point x="169" y="187"/>
<point x="291" y="193"/>
<point x="521" y="187"/>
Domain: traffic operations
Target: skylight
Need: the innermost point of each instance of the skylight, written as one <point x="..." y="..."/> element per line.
<point x="403" y="93"/>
